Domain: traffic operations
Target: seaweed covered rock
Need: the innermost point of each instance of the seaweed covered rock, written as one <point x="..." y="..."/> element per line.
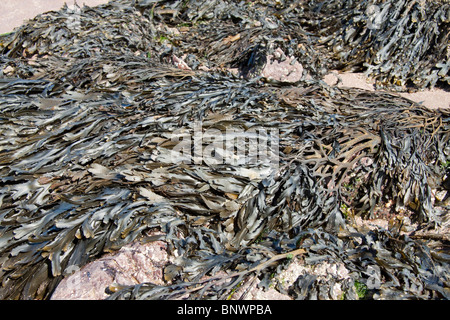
<point x="163" y="115"/>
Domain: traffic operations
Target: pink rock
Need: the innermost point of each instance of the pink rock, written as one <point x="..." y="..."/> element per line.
<point x="288" y="70"/>
<point x="132" y="264"/>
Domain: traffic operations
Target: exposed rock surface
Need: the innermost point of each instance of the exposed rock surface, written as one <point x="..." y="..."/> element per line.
<point x="282" y="68"/>
<point x="132" y="264"/>
<point x="139" y="263"/>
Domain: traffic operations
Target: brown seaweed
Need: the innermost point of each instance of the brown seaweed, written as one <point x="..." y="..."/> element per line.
<point x="100" y="99"/>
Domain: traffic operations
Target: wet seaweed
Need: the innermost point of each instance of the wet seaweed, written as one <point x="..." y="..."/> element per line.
<point x="97" y="100"/>
<point x="397" y="43"/>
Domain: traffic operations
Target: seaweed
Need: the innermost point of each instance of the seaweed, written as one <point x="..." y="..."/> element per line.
<point x="117" y="119"/>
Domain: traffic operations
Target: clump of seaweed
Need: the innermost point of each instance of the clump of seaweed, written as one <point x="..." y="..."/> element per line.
<point x="397" y="43"/>
<point x="94" y="107"/>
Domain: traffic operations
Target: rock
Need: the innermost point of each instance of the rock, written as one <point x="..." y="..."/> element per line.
<point x="9" y="70"/>
<point x="280" y="67"/>
<point x="132" y="264"/>
<point x="271" y="294"/>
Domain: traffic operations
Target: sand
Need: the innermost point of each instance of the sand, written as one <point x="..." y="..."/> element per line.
<point x="432" y="98"/>
<point x="16" y="12"/>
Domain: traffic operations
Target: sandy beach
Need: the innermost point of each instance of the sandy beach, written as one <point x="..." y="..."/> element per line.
<point x="15" y="12"/>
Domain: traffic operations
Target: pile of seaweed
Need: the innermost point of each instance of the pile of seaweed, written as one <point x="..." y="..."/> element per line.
<point x="104" y="112"/>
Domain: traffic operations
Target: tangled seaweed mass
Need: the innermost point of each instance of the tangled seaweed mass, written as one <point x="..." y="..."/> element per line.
<point x="96" y="101"/>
